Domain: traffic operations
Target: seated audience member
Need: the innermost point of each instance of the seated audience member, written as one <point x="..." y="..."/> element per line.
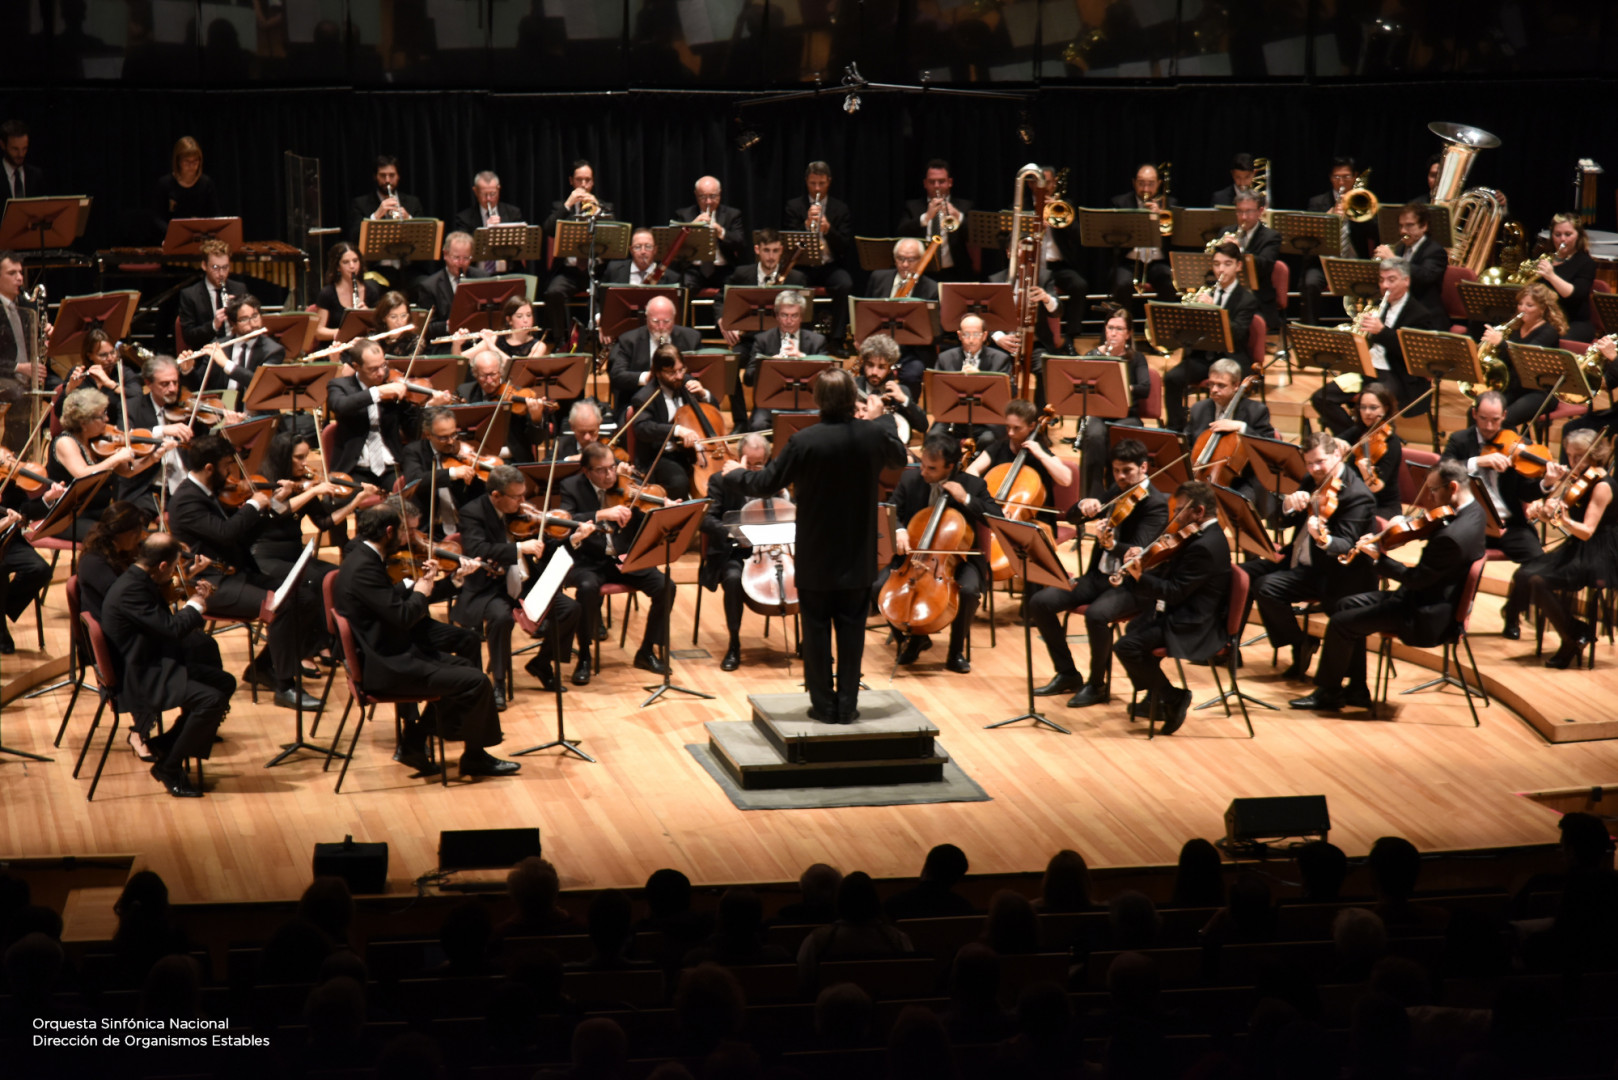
<point x="859" y="933"/>
<point x="740" y="936"/>
<point x="1066" y="886"/>
<point x="934" y="896"/>
<point x="817" y="897"/>
<point x="1395" y="866"/>
<point x="534" y="888"/>
<point x="1199" y="879"/>
<point x="612" y="933"/>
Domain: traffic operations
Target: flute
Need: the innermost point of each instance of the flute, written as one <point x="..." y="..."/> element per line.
<point x="380" y="335"/>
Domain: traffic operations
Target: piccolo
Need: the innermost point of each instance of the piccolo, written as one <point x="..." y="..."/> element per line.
<point x="351" y="342"/>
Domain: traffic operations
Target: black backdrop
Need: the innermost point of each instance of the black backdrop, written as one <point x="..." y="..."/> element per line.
<point x="649" y="147"/>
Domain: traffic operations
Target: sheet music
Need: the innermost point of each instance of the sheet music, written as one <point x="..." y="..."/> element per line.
<point x="538" y="600"/>
<point x="293" y="576"/>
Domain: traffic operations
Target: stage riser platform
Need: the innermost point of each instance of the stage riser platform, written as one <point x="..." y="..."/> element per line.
<point x="755" y="764"/>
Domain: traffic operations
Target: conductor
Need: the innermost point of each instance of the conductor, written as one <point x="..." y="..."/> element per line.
<point x="835" y="465"/>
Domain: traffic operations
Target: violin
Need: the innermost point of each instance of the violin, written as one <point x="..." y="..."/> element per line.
<point x="1019" y="491"/>
<point x="1222" y="452"/>
<point x="526" y="401"/>
<point x="407" y="561"/>
<point x="635" y="495"/>
<point x="1322" y="505"/>
<point x="467" y="455"/>
<point x="1159" y="551"/>
<point x="1369" y="455"/>
<point x="238" y="490"/>
<point x="1122" y="507"/>
<point x="22" y="474"/>
<point x="1529" y="459"/>
<point x="1404" y="531"/>
<point x="769" y="577"/>
<point x="180" y="411"/>
<point x="416" y="393"/>
<point x="111" y="440"/>
<point x="921" y="597"/>
<point x="712" y="449"/>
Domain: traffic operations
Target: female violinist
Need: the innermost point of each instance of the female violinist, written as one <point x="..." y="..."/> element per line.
<point x="27" y="496"/>
<point x="325" y="504"/>
<point x="668" y="452"/>
<point x="97" y="368"/>
<point x="346" y="289"/>
<point x="1192" y="582"/>
<point x="1581" y="507"/>
<point x="84" y="421"/>
<point x="1378" y="460"/>
<point x="726" y="555"/>
<point x="1570" y="271"/>
<point x="924" y="500"/>
<point x="1115" y="344"/>
<point x="1539" y="322"/>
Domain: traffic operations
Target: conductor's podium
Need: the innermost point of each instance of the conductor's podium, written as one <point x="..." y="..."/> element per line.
<point x="890" y="743"/>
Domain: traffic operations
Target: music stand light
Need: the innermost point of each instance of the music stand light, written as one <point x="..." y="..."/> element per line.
<point x="1030" y="546"/>
<point x="665" y="534"/>
<point x="991" y="302"/>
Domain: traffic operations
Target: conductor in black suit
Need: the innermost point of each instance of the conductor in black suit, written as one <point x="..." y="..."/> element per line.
<point x="914" y="360"/>
<point x="835" y="467"/>
<point x="1185" y="600"/>
<point x="204" y="305"/>
<point x="817" y="211"/>
<point x="1420" y="611"/>
<point x="385" y="203"/>
<point x="1226" y="292"/>
<point x="1158" y="274"/>
<point x="630" y="366"/>
<point x="1360" y="236"/>
<point x="1427" y="261"/>
<point x="405" y="652"/>
<point x="22" y="180"/>
<point x="1404" y="310"/>
<point x="786" y="339"/>
<point x="487" y="209"/>
<point x="159" y="670"/>
<point x="926" y="218"/>
<point x="437" y="290"/>
<point x="730" y="239"/>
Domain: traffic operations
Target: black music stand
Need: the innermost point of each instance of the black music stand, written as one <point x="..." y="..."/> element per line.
<point x="1251" y="536"/>
<point x="750" y="309"/>
<point x="712" y="368"/>
<point x="1426" y="497"/>
<point x="1440" y="355"/>
<point x="991" y="302"/>
<point x="699" y="245"/>
<point x="294" y="330"/>
<point x="1188" y="326"/>
<point x="623" y="307"/>
<point x="537" y="604"/>
<point x="559" y="377"/>
<point x="78" y="315"/>
<point x="1335" y="352"/>
<point x="959" y="397"/>
<point x="1165" y="448"/>
<point x="1308" y="234"/>
<point x="787" y="385"/>
<point x="1030" y="546"/>
<point x="1490" y="303"/>
<point x="357" y="322"/>
<point x="439" y="372"/>
<point x="280" y="386"/>
<point x="251" y="439"/>
<point x="1359" y="278"/>
<point x="1555" y="371"/>
<point x="43" y="222"/>
<point x="1100" y="386"/>
<point x="1195" y="226"/>
<point x="1191" y="269"/>
<point x="513" y="242"/>
<point x="478" y="301"/>
<point x="875" y="252"/>
<point x="1121" y="230"/>
<point x="485" y="424"/>
<point x="908" y="322"/>
<point x="784" y="425"/>
<point x="1277" y="464"/>
<point x="806" y="244"/>
<point x="185" y="236"/>
<point x="410" y="240"/>
<point x="665" y="534"/>
<point x="1605" y="306"/>
<point x="64" y="514"/>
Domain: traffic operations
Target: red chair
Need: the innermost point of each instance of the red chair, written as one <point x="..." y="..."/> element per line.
<point x="1451" y="292"/>
<point x="78" y="659"/>
<point x="107" y="677"/>
<point x="1453" y="639"/>
<point x="1153" y="407"/>
<point x="1410" y="455"/>
<point x="55" y="545"/>
<point x="1064" y="498"/>
<point x="1595" y="313"/>
<point x="1229" y="657"/>
<point x="328" y="445"/>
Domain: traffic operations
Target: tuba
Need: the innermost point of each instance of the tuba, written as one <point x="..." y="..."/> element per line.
<point x="1495" y="375"/>
<point x="1476" y="214"/>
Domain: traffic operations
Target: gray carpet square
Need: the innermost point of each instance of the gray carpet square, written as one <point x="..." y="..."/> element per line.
<point x="955" y="787"/>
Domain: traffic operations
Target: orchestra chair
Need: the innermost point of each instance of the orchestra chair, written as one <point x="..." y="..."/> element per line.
<point x="218" y="624"/>
<point x="1257" y="337"/>
<point x="179" y="337"/>
<point x="1451" y="292"/>
<point x="55" y="545"/>
<point x="79" y="658"/>
<point x="1599" y="286"/>
<point x="1451" y="641"/>
<point x="328" y="446"/>
<point x="367" y="701"/>
<point x="1407" y="487"/>
<point x="1153" y="407"/>
<point x="1281" y="281"/>
<point x="1228" y="657"/>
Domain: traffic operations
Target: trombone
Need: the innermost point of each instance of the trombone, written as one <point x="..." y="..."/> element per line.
<point x="1358" y="202"/>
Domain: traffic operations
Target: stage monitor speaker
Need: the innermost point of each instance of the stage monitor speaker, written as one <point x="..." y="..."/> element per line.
<point x="485" y="849"/>
<point x="363" y="866"/>
<point x="1284" y="816"/>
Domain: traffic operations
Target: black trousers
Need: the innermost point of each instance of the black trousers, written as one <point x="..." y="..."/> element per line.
<point x="1134" y="651"/>
<point x="587" y="583"/>
<point x="673" y="477"/>
<point x="968" y="586"/>
<point x="499" y="618"/>
<point x="23" y="576"/>
<point x="1523" y="404"/>
<point x="1599" y="421"/>
<point x="1519" y="543"/>
<point x="564" y="282"/>
<point x="1177" y="384"/>
<point x="1107" y="604"/>
<point x="1275" y="591"/>
<point x="1159" y="275"/>
<point x="823" y="611"/>
<point x="298" y="630"/>
<point x="1067" y="281"/>
<point x="1357" y="617"/>
<point x="838" y="285"/>
<point x="207" y="699"/>
<point x="1094" y="449"/>
<point x="730" y="584"/>
<point x="465" y="709"/>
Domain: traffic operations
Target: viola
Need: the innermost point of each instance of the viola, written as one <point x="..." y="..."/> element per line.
<point x="1529" y="459"/>
<point x="921" y="596"/>
<point x="769" y="577"/>
<point x="1019" y="491"/>
<point x="111" y="440"/>
<point x="712" y="449"/>
<point x="1407" y="530"/>
<point x="1222" y="453"/>
<point x="180" y="411"/>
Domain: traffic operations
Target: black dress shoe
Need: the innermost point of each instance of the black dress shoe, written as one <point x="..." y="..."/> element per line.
<point x="581" y="674"/>
<point x="958" y="664"/>
<point x="259" y="677"/>
<point x="499" y="697"/>
<point x="1089" y="694"/>
<point x="1063" y="682"/>
<point x="486" y="765"/>
<point x="601" y="631"/>
<point x="1301" y="655"/>
<point x="540" y="668"/>
<point x="1142" y="708"/>
<point x="288" y="699"/>
<point x="849" y="717"/>
<point x="140" y="747"/>
<point x="1319" y="701"/>
<point x="175" y="783"/>
<point x="733" y="658"/>
<point x="310" y="672"/>
<point x="914" y="647"/>
<point x="1511" y="628"/>
<point x="418" y="762"/>
<point x="7" y="646"/>
<point x="647" y="660"/>
<point x="1358" y="697"/>
<point x="820" y="717"/>
<point x="1176" y="703"/>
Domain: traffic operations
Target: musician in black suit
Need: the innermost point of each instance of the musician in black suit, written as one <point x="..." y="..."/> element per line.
<point x="490" y="596"/>
<point x="1117" y="343"/>
<point x="437" y="290"/>
<point x="630" y="366"/>
<point x="818" y="211"/>
<point x="730" y="239"/>
<point x="1311" y="570"/>
<point x="1252" y="416"/>
<point x="583" y="497"/>
<point x="1252" y="237"/>
<point x="1107" y="604"/>
<point x="19" y="332"/>
<point x="444" y="483"/>
<point x="1420" y="611"/>
<point x="674" y="447"/>
<point x="200" y="521"/>
<point x="925" y="218"/>
<point x="405" y="652"/>
<point x="1185" y="602"/>
<point x="786" y="339"/>
<point x="22" y="180"/>
<point x="765" y="271"/>
<point x="941" y="477"/>
<point x="834" y="468"/>
<point x="486" y="363"/>
<point x="1060" y="255"/>
<point x="204" y="305"/>
<point x="568" y="275"/>
<point x="1360" y="237"/>
<point x="1426" y="259"/>
<point x="1227" y="292"/>
<point x="1242" y="174"/>
<point x="886" y="284"/>
<point x="1047" y="304"/>
<point x="159" y="670"/>
<point x="974" y="354"/>
<point x="1508" y="489"/>
<point x="235" y="370"/>
<point x="640" y="265"/>
<point x="1381" y="329"/>
<point x="385" y="203"/>
<point x="726" y="555"/>
<point x="23" y="574"/>
<point x="487" y="210"/>
<point x="1158" y="275"/>
<point x="877" y="378"/>
<point x="372" y="414"/>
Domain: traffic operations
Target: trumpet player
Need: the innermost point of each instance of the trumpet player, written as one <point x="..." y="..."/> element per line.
<point x="1241" y="179"/>
<point x="1149" y="264"/>
<point x="1426" y="259"/>
<point x="1570" y="272"/>
<point x="1252" y="237"/>
<point x="487" y="209"/>
<point x="569" y="275"/>
<point x="818" y="211"/>
<point x="940" y="213"/>
<point x="730" y="240"/>
<point x="385" y="203"/>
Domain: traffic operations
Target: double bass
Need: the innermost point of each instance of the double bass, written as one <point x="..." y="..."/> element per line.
<point x="1020" y="493"/>
<point x="921" y="597"/>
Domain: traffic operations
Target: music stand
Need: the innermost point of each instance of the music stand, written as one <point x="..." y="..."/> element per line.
<point x="784" y="425"/>
<point x="787" y="385"/>
<point x="1277" y="466"/>
<point x="1099" y="386"/>
<point x="1426" y="497"/>
<point x="536" y="605"/>
<point x="623" y="307"/>
<point x="559" y="377"/>
<point x="1030" y="546"/>
<point x="410" y="240"/>
<point x="1191" y="269"/>
<point x="1556" y="371"/>
<point x="439" y="372"/>
<point x="251" y="439"/>
<point x="974" y="398"/>
<point x="1387" y="224"/>
<point x="279" y="386"/>
<point x="1489" y="303"/>
<point x="1306" y="234"/>
<point x="45" y="222"/>
<point x="1440" y="355"/>
<point x="1163" y="447"/>
<point x="806" y="244"/>
<point x="993" y="303"/>
<point x="875" y="252"/>
<point x="712" y="368"/>
<point x="605" y="239"/>
<point x="357" y="322"/>
<point x="1195" y="226"/>
<point x="1335" y="352"/>
<point x="185" y="236"/>
<point x="294" y="330"/>
<point x="1188" y="326"/>
<point x="1120" y="230"/>
<point x="749" y="309"/>
<point x="478" y="301"/>
<point x="483" y="424"/>
<point x="665" y="534"/>
<point x="1359" y="278"/>
<point x="65" y="513"/>
<point x="699" y="243"/>
<point x="78" y="315"/>
<point x="1252" y="536"/>
<point x="1605" y="306"/>
<point x="909" y="322"/>
<point x="511" y="242"/>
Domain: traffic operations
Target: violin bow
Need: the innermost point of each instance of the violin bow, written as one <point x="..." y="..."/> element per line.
<point x="421" y="339"/>
<point x="196" y="399"/>
<point x="1147" y="481"/>
<point x="1389" y="422"/>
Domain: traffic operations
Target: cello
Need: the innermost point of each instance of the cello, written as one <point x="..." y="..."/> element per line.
<point x="713" y="448"/>
<point x="1020" y="493"/>
<point x="1222" y="452"/>
<point x="769" y="577"/>
<point x="921" y="597"/>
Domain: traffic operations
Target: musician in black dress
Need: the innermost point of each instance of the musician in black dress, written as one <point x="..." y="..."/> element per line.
<point x="393" y="313"/>
<point x="185" y="191"/>
<point x="727" y="555"/>
<point x="1541" y="323"/>
<point x="941" y="483"/>
<point x="23" y="574"/>
<point x="1117" y="344"/>
<point x="1570" y="271"/>
<point x="519" y="339"/>
<point x="324" y="504"/>
<point x="1375" y="405"/>
<point x="667" y="452"/>
<point x="84" y="418"/>
<point x="346" y="288"/>
<point x="1588" y="557"/>
<point x="1104" y="603"/>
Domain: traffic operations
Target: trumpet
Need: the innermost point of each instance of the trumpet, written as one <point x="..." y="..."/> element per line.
<point x="396" y="213"/>
<point x="945" y="215"/>
<point x="588" y="206"/>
